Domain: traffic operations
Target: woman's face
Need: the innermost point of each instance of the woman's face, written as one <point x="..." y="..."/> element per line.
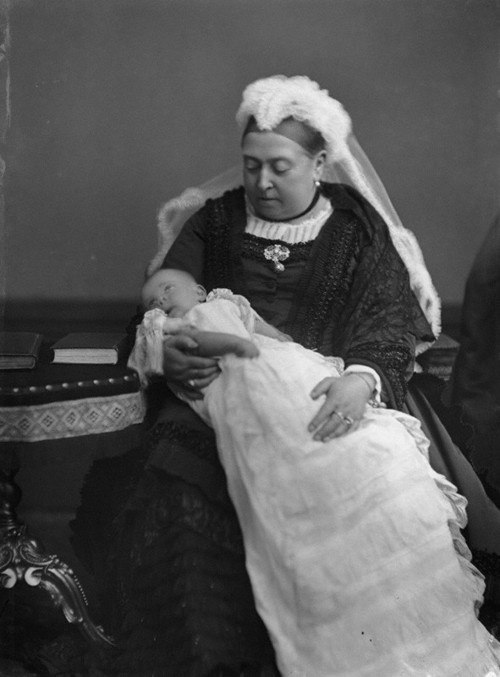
<point x="279" y="175"/>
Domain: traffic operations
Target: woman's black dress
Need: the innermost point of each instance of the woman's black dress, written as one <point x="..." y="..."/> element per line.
<point x="158" y="522"/>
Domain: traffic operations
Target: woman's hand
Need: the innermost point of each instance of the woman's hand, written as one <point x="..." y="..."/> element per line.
<point x="343" y="408"/>
<point x="186" y="372"/>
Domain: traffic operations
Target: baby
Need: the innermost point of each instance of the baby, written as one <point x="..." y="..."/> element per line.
<point x="321" y="517"/>
<point x="169" y="296"/>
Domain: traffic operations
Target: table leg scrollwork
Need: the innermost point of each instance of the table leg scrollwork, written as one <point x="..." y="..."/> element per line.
<point x="23" y="558"/>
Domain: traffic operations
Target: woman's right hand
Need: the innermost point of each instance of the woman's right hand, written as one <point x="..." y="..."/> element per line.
<point x="187" y="373"/>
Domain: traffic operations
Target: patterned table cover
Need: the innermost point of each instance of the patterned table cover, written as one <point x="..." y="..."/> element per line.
<point x="60" y="401"/>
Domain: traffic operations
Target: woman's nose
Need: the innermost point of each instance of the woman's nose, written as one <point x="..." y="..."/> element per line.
<point x="264" y="181"/>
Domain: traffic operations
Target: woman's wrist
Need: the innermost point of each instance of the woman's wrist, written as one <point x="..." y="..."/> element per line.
<point x="367" y="379"/>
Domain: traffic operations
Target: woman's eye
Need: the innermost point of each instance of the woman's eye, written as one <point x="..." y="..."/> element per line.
<point x="251" y="167"/>
<point x="281" y="167"/>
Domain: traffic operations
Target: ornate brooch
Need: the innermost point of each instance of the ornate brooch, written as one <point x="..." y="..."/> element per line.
<point x="277" y="253"/>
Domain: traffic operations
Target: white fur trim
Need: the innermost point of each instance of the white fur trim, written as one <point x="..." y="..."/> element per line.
<point x="171" y="217"/>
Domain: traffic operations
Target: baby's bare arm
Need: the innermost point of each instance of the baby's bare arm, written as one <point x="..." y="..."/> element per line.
<point x="215" y="344"/>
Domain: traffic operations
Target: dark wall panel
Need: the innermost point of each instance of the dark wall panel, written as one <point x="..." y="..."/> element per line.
<point x="118" y="105"/>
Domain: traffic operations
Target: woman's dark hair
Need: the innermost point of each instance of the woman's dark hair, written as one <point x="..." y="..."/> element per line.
<point x="300" y="132"/>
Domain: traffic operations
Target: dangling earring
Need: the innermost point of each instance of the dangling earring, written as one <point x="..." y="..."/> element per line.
<point x="317" y="183"/>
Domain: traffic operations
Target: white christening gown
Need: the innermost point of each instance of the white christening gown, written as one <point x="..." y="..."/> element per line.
<point x="353" y="546"/>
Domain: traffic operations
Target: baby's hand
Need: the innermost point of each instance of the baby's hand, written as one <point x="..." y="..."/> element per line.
<point x="246" y="348"/>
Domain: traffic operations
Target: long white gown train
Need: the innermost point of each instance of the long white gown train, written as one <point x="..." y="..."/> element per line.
<point x="353" y="546"/>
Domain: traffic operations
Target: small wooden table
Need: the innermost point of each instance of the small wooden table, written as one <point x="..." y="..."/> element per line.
<point x="47" y="405"/>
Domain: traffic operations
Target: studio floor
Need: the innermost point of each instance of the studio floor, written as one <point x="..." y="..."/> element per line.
<point x="35" y="639"/>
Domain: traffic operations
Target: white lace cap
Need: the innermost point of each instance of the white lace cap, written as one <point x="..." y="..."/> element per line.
<point x="270" y="101"/>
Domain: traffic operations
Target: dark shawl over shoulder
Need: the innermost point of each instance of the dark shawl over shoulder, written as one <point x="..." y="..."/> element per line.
<point x="354" y="288"/>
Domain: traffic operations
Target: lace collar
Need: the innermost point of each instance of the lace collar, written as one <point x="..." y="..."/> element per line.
<point x="303" y="229"/>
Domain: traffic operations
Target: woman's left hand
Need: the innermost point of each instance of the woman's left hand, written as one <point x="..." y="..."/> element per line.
<point x="343" y="408"/>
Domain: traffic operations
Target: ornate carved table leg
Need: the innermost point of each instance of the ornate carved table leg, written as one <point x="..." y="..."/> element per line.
<point x="23" y="559"/>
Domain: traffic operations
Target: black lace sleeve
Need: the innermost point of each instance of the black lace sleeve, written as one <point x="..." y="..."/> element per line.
<point x="382" y="336"/>
<point x="382" y="320"/>
<point x="392" y="362"/>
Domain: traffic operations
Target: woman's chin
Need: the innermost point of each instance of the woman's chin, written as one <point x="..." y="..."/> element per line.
<point x="269" y="209"/>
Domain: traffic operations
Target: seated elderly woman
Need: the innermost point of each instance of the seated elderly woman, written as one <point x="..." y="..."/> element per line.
<point x="312" y="242"/>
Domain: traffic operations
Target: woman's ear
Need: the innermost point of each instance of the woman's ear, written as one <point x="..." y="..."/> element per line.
<point x="202" y="292"/>
<point x="319" y="165"/>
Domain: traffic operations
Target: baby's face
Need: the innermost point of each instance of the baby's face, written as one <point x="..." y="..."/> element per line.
<point x="174" y="291"/>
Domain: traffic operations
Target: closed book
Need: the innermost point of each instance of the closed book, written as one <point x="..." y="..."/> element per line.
<point x="19" y="349"/>
<point x="90" y="348"/>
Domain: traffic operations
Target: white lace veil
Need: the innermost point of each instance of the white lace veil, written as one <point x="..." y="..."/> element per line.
<point x="269" y="102"/>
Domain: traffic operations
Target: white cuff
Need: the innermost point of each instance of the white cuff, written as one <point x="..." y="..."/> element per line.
<point x="359" y="369"/>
